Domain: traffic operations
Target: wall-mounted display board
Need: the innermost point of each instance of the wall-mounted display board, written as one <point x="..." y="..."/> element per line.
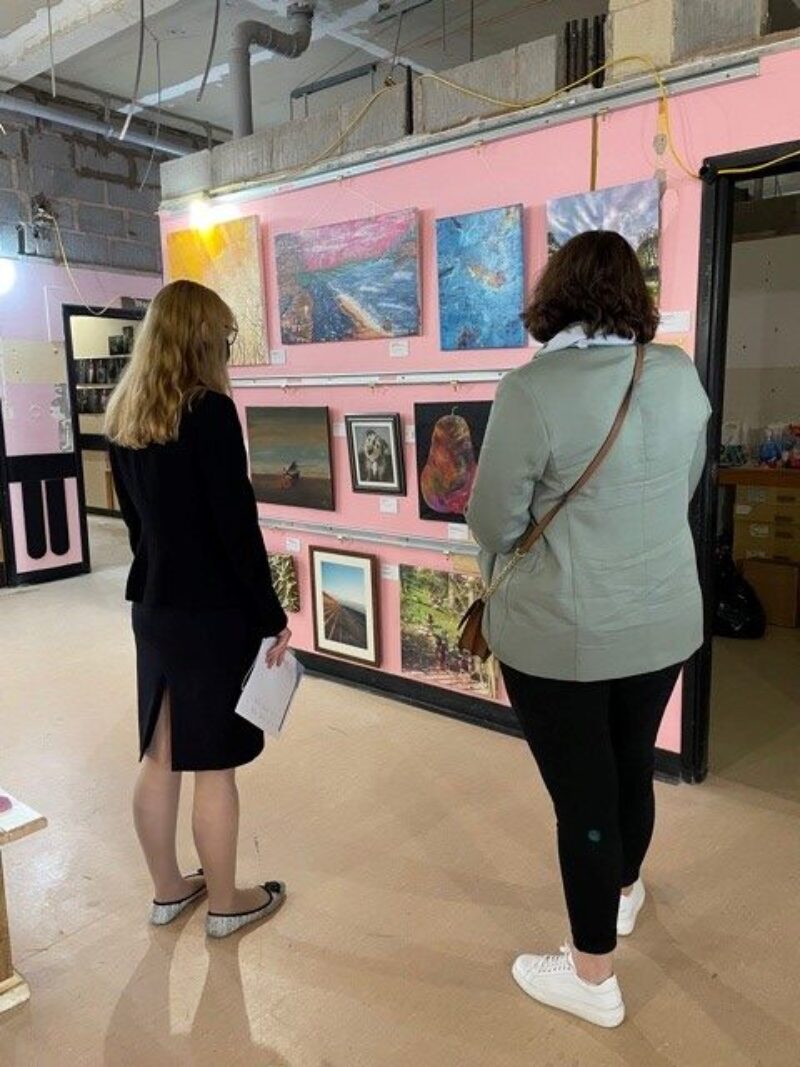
<point x="98" y="348"/>
<point x="42" y="531"/>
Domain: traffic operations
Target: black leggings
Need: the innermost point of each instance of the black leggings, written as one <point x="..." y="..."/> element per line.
<point x="594" y="743"/>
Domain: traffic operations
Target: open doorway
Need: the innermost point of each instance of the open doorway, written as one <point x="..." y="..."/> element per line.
<point x="743" y="706"/>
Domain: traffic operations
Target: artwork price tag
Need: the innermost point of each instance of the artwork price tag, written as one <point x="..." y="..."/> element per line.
<point x="399" y="348"/>
<point x="675" y="322"/>
<point x="388" y="505"/>
<point x="457" y="532"/>
<point x="390" y="572"/>
<point x="339" y="429"/>
<point x="277" y="357"/>
<point x="293" y="544"/>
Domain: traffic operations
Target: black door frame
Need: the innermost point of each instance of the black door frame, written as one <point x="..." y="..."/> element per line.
<point x="716" y="243"/>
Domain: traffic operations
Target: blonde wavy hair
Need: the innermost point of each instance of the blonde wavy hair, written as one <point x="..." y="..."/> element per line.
<point x="181" y="353"/>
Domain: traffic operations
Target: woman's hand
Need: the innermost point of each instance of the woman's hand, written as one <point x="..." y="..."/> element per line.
<point x="279" y="649"/>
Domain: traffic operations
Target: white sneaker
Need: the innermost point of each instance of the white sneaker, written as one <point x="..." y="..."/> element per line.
<point x="629" y="908"/>
<point x="553" y="980"/>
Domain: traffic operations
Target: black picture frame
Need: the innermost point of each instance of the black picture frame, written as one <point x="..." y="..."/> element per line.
<point x="391" y="437"/>
<point x="448" y="436"/>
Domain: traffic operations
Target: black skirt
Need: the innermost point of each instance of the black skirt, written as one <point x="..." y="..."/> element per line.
<point x="201" y="657"/>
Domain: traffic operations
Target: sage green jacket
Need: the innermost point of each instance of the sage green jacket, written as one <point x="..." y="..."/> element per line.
<point x="611" y="590"/>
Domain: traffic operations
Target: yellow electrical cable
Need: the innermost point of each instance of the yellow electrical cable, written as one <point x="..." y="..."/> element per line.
<point x="760" y="166"/>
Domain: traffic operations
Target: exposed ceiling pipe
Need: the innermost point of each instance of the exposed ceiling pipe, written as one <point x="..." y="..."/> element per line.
<point x="21" y="106"/>
<point x="290" y="44"/>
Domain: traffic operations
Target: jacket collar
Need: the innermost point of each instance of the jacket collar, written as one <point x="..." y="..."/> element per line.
<point x="575" y="337"/>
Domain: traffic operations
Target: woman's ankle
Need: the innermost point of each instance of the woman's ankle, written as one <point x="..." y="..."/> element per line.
<point x="592" y="967"/>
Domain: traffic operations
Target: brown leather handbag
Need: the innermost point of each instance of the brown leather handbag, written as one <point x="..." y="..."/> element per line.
<point x="470" y="628"/>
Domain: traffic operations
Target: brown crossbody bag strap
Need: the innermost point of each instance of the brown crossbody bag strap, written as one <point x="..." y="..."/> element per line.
<point x="471" y="637"/>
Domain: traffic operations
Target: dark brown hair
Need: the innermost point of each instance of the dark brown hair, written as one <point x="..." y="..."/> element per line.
<point x="596" y="281"/>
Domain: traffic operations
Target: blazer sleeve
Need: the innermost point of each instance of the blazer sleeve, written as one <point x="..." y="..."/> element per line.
<point x="129" y="513"/>
<point x="515" y="453"/>
<point x="233" y="510"/>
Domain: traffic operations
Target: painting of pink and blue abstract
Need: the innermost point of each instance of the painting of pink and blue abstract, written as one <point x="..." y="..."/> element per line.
<point x="352" y="281"/>
<point x="481" y="279"/>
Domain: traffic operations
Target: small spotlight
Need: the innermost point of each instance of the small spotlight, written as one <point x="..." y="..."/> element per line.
<point x="8" y="275"/>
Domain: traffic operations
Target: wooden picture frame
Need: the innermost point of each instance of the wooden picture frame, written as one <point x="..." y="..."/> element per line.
<point x="376" y="449"/>
<point x="345" y="599"/>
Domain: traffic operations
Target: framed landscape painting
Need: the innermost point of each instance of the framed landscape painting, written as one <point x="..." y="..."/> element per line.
<point x="449" y="442"/>
<point x="352" y="281"/>
<point x="431" y="604"/>
<point x="345" y="595"/>
<point x="290" y="456"/>
<point x="481" y="279"/>
<point x="375" y="446"/>
<point x="633" y="210"/>
<point x="227" y="258"/>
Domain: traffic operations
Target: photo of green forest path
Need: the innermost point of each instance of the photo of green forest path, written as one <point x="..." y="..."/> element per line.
<point x="432" y="605"/>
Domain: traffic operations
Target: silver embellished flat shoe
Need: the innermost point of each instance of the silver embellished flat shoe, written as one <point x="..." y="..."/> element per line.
<point x="219" y="925"/>
<point x="165" y="912"/>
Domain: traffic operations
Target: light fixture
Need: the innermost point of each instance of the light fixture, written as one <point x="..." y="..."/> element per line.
<point x="8" y="275"/>
<point x="205" y="213"/>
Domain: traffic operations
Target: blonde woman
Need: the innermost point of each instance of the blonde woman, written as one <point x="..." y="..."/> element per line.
<point x="202" y="597"/>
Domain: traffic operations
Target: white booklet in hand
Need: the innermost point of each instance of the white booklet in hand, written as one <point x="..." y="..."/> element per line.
<point x="268" y="692"/>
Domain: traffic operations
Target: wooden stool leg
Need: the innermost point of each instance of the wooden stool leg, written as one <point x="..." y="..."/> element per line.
<point x="13" y="989"/>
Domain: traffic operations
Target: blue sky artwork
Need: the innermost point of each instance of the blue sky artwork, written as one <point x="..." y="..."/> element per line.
<point x="481" y="279"/>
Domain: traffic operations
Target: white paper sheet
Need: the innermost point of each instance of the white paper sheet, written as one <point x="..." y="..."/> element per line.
<point x="268" y="692"/>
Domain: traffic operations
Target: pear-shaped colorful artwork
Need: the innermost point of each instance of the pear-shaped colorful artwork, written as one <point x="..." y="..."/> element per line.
<point x="449" y="442"/>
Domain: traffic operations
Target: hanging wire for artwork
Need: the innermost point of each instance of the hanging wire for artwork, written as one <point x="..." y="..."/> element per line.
<point x="158" y="112"/>
<point x="211" y="48"/>
<point x="138" y="81"/>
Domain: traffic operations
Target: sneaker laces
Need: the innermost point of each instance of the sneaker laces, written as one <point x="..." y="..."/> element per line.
<point x="560" y="964"/>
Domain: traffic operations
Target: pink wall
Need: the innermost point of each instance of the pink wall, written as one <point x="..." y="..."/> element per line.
<point x="530" y="169"/>
<point x="32" y="311"/>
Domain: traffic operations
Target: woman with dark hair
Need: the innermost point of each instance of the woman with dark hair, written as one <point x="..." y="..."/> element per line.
<point x="595" y="624"/>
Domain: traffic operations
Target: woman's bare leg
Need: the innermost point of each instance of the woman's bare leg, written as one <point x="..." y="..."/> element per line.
<point x="155" y="813"/>
<point x="215" y="823"/>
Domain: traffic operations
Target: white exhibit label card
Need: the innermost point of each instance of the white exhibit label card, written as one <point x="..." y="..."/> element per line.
<point x="411" y="433"/>
<point x="675" y="322"/>
<point x="388" y="505"/>
<point x="339" y="429"/>
<point x="293" y="544"/>
<point x="277" y="357"/>
<point x="399" y="348"/>
<point x="390" y="572"/>
<point x="457" y="532"/>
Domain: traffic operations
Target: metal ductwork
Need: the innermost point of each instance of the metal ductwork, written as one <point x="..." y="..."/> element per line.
<point x="22" y="106"/>
<point x="291" y="43"/>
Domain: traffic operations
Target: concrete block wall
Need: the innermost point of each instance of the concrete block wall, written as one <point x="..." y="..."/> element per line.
<point x="669" y="31"/>
<point x="92" y="187"/>
<point x="526" y="73"/>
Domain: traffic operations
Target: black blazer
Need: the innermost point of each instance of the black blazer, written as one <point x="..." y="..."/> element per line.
<point x="192" y="518"/>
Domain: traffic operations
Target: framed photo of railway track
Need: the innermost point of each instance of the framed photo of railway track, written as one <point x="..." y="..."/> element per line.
<point x="345" y="597"/>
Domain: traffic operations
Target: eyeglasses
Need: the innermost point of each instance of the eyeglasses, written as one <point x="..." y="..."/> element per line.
<point x="230" y="340"/>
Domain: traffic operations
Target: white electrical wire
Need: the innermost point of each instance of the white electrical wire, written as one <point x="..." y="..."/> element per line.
<point x="138" y="81"/>
<point x="158" y="112"/>
<point x="51" y="47"/>
<point x="73" y="280"/>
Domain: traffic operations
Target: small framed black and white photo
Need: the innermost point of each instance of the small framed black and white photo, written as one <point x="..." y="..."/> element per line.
<point x="375" y="445"/>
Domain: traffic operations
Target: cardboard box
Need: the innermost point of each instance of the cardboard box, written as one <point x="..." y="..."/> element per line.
<point x="766" y="494"/>
<point x="766" y="540"/>
<point x="777" y="514"/>
<point x="777" y="586"/>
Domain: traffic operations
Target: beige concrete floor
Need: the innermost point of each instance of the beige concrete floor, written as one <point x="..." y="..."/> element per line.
<point x="420" y="860"/>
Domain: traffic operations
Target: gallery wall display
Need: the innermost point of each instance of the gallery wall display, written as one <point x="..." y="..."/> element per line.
<point x="290" y="456"/>
<point x="227" y="258"/>
<point x="345" y="602"/>
<point x="449" y="441"/>
<point x="432" y="604"/>
<point x="631" y="210"/>
<point x="375" y="447"/>
<point x="351" y="281"/>
<point x="284" y="581"/>
<point x="481" y="279"/>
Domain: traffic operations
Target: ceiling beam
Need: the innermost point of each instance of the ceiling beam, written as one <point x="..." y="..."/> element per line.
<point x="77" y="25"/>
<point x="338" y="29"/>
